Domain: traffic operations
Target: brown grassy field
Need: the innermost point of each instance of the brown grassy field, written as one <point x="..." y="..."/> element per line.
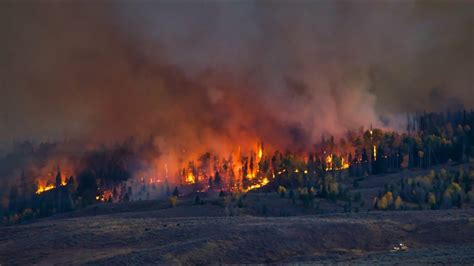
<point x="267" y="229"/>
<point x="147" y="232"/>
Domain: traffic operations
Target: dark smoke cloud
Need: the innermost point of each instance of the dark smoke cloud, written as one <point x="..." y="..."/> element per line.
<point x="207" y="75"/>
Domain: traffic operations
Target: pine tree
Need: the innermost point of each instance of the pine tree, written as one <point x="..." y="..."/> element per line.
<point x="217" y="179"/>
<point x="176" y="192"/>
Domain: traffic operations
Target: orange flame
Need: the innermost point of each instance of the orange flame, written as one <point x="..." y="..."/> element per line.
<point x="262" y="183"/>
<point x="375" y="153"/>
<point x="190" y="179"/>
<point x="44" y="188"/>
<point x="330" y="166"/>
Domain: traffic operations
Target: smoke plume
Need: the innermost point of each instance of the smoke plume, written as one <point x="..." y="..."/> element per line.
<point x="213" y="75"/>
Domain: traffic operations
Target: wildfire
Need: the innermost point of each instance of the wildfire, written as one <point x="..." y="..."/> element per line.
<point x="329" y="160"/>
<point x="190" y="179"/>
<point x="374" y="147"/>
<point x="105" y="196"/>
<point x="251" y="176"/>
<point x="330" y="164"/>
<point x="262" y="183"/>
<point x="375" y="153"/>
<point x="154" y="181"/>
<point x="45" y="181"/>
<point x="345" y="165"/>
<point x="45" y="188"/>
<point x="245" y="171"/>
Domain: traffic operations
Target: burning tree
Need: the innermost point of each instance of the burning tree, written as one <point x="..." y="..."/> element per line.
<point x="131" y="171"/>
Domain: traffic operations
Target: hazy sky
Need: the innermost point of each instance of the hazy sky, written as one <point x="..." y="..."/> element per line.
<point x="209" y="72"/>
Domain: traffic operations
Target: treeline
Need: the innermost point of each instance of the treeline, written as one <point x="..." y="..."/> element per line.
<point x="431" y="139"/>
<point x="102" y="175"/>
<point x="436" y="190"/>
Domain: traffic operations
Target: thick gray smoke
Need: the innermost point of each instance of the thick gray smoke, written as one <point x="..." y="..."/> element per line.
<point x="207" y="75"/>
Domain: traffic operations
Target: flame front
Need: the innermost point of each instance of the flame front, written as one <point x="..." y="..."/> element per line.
<point x="245" y="171"/>
<point x="260" y="153"/>
<point x="246" y="168"/>
<point x="45" y="183"/>
<point x="44" y="188"/>
<point x="330" y="165"/>
<point x="263" y="183"/>
<point x="375" y="153"/>
<point x="104" y="196"/>
<point x="190" y="179"/>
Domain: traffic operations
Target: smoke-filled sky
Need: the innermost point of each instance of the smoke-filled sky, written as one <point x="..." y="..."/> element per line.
<point x="213" y="73"/>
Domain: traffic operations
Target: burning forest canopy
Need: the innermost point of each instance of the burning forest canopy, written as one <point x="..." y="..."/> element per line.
<point x="118" y="94"/>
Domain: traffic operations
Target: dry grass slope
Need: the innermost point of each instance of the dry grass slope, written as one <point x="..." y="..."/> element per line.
<point x="171" y="236"/>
